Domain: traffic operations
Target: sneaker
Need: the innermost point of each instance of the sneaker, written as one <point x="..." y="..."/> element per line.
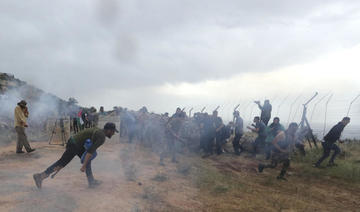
<point x="206" y="155"/>
<point x="281" y="178"/>
<point x="31" y="150"/>
<point x="95" y="183"/>
<point x="19" y="152"/>
<point x="316" y="165"/>
<point x="38" y="180"/>
<point x="260" y="168"/>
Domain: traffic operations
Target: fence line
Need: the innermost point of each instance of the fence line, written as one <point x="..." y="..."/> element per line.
<point x="325" y="109"/>
<point x="291" y="106"/>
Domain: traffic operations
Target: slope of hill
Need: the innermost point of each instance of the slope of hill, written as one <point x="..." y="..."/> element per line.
<point x="41" y="106"/>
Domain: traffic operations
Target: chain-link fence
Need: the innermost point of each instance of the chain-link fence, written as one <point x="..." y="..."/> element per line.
<point x="323" y="112"/>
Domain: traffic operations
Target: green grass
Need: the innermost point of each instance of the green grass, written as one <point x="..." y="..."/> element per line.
<point x="211" y="179"/>
<point x="221" y="189"/>
<point x="348" y="166"/>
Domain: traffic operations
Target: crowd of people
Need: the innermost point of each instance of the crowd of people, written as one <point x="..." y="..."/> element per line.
<point x="83" y="118"/>
<point x="208" y="134"/>
<point x="203" y="133"/>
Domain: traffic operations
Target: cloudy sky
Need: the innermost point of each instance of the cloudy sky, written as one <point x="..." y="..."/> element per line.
<point x="168" y="53"/>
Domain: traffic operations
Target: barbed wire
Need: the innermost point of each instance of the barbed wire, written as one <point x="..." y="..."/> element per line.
<point x="325" y="111"/>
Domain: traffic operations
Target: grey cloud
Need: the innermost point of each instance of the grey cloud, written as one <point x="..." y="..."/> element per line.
<point x="98" y="45"/>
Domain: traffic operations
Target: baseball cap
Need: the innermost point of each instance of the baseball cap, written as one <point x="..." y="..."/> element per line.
<point x="22" y="102"/>
<point x="110" y="126"/>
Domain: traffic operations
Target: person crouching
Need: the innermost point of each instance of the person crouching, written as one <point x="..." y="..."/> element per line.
<point x="76" y="146"/>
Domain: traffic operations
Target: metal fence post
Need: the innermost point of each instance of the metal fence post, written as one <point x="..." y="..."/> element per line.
<point x="326" y="107"/>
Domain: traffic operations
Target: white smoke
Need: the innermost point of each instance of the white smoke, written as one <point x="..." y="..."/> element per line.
<point x="41" y="106"/>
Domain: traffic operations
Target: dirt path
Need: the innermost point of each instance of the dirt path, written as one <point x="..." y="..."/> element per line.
<point x="132" y="181"/>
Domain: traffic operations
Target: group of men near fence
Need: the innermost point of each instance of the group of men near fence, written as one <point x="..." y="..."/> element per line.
<point x="83" y="118"/>
<point x="278" y="143"/>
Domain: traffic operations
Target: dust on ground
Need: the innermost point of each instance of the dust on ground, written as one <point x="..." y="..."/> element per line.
<point x="133" y="180"/>
<point x="127" y="171"/>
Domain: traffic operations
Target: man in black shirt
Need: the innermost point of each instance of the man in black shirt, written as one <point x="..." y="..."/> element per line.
<point x="207" y="134"/>
<point x="205" y="130"/>
<point x="75" y="146"/>
<point x="265" y="111"/>
<point x="330" y="140"/>
<point x="259" y="128"/>
<point x="177" y="113"/>
<point x="219" y="132"/>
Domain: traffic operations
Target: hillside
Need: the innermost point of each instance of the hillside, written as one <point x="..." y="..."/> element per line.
<point x="41" y="106"/>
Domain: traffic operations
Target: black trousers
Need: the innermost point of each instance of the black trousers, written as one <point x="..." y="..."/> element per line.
<point x="169" y="148"/>
<point x="279" y="158"/>
<point x="236" y="143"/>
<point x="327" y="147"/>
<point x="207" y="142"/>
<point x="220" y="140"/>
<point x="268" y="150"/>
<point x="265" y="120"/>
<point x="71" y="151"/>
<point x="203" y="142"/>
<point x="259" y="141"/>
<point x="301" y="148"/>
<point x="75" y="125"/>
<point x="210" y="144"/>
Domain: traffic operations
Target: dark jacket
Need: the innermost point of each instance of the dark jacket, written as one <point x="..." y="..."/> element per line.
<point x="335" y="133"/>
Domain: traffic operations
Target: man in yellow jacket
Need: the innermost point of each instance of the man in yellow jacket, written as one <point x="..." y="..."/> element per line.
<point x="20" y="121"/>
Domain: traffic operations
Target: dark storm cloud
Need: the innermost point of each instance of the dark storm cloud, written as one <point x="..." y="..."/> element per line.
<point x="68" y="47"/>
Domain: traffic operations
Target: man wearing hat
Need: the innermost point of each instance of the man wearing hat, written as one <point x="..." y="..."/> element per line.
<point x="76" y="146"/>
<point x="20" y="121"/>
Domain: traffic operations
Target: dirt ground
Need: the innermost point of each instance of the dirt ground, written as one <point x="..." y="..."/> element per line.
<point x="130" y="181"/>
<point x="133" y="180"/>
